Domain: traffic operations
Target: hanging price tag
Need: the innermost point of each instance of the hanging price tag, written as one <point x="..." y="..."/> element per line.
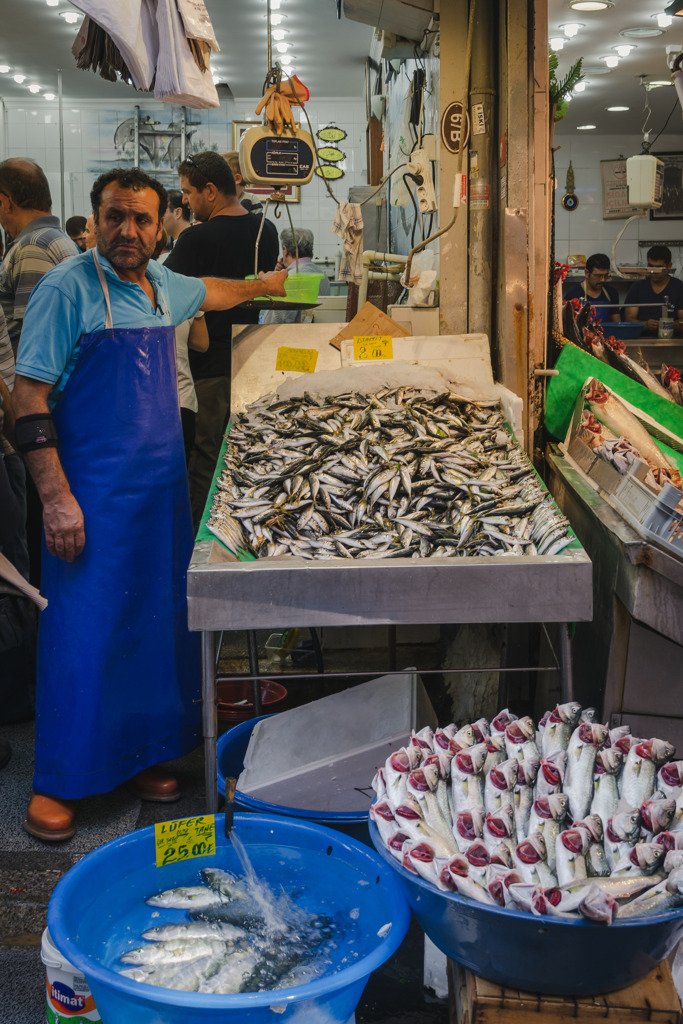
<point x="184" y="839"/>
<point x="300" y="360"/>
<point x="373" y="346"/>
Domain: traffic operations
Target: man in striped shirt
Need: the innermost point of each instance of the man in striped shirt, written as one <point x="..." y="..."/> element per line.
<point x="38" y="241"/>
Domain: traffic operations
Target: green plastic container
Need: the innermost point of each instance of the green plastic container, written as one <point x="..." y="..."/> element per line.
<point x="298" y="288"/>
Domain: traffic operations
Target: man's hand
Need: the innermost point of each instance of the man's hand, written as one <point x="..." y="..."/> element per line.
<point x="652" y="324"/>
<point x="64" y="528"/>
<point x="274" y="282"/>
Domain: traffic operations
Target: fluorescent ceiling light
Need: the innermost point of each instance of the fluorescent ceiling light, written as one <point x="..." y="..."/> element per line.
<point x="19" y="78"/>
<point x="590" y="5"/>
<point x="617" y="108"/>
<point x="585" y="127"/>
<point x="657" y="84"/>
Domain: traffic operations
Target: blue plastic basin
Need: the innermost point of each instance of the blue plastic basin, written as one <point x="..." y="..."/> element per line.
<point x="537" y="954"/>
<point x="97" y="911"/>
<point x="623" y="329"/>
<point x="230" y="752"/>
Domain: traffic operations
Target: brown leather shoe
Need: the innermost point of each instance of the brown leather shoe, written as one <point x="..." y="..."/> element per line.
<point x="155" y="784"/>
<point x="50" y="818"/>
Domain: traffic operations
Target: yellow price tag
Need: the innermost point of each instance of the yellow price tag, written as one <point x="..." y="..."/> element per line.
<point x="185" y="838"/>
<point x="301" y="360"/>
<point x="373" y="346"/>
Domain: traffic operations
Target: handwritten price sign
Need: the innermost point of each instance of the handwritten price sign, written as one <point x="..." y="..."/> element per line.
<point x="373" y="346"/>
<point x="300" y="360"/>
<point x="184" y="839"/>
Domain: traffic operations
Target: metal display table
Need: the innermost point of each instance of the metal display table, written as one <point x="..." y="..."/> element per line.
<point x="226" y="594"/>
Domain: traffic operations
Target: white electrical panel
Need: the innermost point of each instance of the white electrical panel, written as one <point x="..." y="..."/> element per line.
<point x="645" y="180"/>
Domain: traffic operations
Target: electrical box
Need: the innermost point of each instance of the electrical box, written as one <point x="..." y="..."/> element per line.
<point x="645" y="181"/>
<point x="270" y="159"/>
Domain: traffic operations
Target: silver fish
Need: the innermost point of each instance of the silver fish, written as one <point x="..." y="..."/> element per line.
<point x="551" y="773"/>
<point x="621" y="835"/>
<point x="186" y="897"/>
<point x="194" y="930"/>
<point x="662" y="897"/>
<point x="559" y="726"/>
<point x="500" y="784"/>
<point x="530" y="861"/>
<point x="547" y="818"/>
<point x="605" y="802"/>
<point x="637" y="780"/>
<point x="570" y="852"/>
<point x="670" y="779"/>
<point x="523" y="796"/>
<point x="583" y="747"/>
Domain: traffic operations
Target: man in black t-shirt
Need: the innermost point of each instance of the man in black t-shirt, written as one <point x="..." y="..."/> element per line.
<point x="222" y="244"/>
<point x="595" y="290"/>
<point x="645" y="299"/>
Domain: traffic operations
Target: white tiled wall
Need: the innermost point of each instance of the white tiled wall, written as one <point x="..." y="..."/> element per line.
<point x="583" y="231"/>
<point x="90" y="147"/>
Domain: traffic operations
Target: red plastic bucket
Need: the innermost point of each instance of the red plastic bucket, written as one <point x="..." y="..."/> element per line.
<point x="235" y="698"/>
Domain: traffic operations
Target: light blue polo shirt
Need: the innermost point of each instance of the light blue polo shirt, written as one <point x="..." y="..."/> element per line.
<point x="68" y="302"/>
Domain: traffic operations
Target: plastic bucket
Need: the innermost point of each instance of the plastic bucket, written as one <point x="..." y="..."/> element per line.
<point x="230" y="751"/>
<point x="298" y="287"/>
<point x="68" y="995"/>
<point x="97" y="911"/>
<point x="537" y="953"/>
<point x="236" y="698"/>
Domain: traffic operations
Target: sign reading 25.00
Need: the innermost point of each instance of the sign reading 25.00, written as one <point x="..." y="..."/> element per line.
<point x="185" y="838"/>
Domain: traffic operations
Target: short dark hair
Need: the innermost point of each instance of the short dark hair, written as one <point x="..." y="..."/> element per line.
<point x="202" y="168"/>
<point x="659" y="252"/>
<point x="598" y="261"/>
<point x="75" y="226"/>
<point x="25" y="183"/>
<point x="175" y="202"/>
<point x="127" y="177"/>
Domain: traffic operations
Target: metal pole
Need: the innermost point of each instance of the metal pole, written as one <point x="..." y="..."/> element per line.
<point x="183" y="138"/>
<point x="209" y="722"/>
<point x="483" y="192"/>
<point x="61" y="143"/>
<point x="253" y="668"/>
<point x="566" y="674"/>
<point x="136" y="137"/>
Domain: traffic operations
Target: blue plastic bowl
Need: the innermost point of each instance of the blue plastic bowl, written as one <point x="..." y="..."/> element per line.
<point x="537" y="954"/>
<point x="230" y="752"/>
<point x="624" y="330"/>
<point x="97" y="911"/>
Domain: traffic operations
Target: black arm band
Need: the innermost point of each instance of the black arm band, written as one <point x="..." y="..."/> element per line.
<point x="35" y="432"/>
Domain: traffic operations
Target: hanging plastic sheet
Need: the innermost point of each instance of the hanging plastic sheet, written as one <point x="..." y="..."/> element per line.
<point x="131" y="25"/>
<point x="179" y="79"/>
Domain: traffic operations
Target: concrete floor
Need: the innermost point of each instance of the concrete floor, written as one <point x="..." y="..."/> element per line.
<point x="30" y="868"/>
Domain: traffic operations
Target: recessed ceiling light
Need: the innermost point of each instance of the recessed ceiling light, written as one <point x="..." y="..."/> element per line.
<point x="571" y="28"/>
<point x="638" y="32"/>
<point x="279" y="33"/>
<point x="556" y="43"/>
<point x="4" y="68"/>
<point x="663" y="20"/>
<point x="617" y="108"/>
<point x="34" y="89"/>
<point x="282" y="47"/>
<point x="585" y="127"/>
<point x="70" y="17"/>
<point x="580" y="86"/>
<point x="611" y="61"/>
<point x="276" y="19"/>
<point x="590" y="5"/>
<point x="595" y="69"/>
<point x="624" y="49"/>
<point x="49" y="96"/>
<point x="19" y="78"/>
<point x="52" y="3"/>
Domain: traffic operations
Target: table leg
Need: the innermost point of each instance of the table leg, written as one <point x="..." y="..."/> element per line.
<point x="566" y="675"/>
<point x="209" y="721"/>
<point x="253" y="670"/>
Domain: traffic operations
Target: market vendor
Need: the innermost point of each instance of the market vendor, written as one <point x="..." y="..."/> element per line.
<point x="595" y="290"/>
<point x="645" y="299"/>
<point x="99" y="426"/>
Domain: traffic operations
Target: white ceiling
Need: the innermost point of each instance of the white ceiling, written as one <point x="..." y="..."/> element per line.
<point x="35" y="40"/>
<point x="622" y="86"/>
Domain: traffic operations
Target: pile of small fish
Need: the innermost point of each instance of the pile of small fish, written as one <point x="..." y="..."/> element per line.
<point x="564" y="819"/>
<point x="398" y="473"/>
<point x="232" y="942"/>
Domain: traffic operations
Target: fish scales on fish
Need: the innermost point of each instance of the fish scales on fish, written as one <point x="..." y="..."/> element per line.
<point x="401" y="473"/>
<point x="567" y="818"/>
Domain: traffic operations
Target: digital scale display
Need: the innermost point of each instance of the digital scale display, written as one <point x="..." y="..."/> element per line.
<point x="275" y="158"/>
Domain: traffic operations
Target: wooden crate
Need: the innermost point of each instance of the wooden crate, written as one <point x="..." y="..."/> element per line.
<point x="473" y="1000"/>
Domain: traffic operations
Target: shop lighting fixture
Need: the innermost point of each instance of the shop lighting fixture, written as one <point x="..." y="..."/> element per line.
<point x="19" y="78"/>
<point x="638" y="32"/>
<point x="275" y="5"/>
<point x="580" y="87"/>
<point x="34" y="89"/>
<point x="4" y="68"/>
<point x="49" y="96"/>
<point x="657" y="84"/>
<point x="288" y="70"/>
<point x="611" y="62"/>
<point x="595" y="69"/>
<point x="624" y="49"/>
<point x="590" y="5"/>
<point x="675" y="10"/>
<point x="615" y="109"/>
<point x="663" y="20"/>
<point x="279" y="33"/>
<point x="571" y="28"/>
<point x="52" y="3"/>
<point x="585" y="127"/>
<point x="282" y="47"/>
<point x="556" y="43"/>
<point x="276" y="19"/>
<point x="70" y="17"/>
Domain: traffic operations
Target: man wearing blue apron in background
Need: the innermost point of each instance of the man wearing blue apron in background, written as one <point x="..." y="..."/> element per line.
<point x="98" y="423"/>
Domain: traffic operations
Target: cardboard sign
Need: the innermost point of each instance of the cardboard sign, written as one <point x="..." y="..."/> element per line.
<point x="184" y="839"/>
<point x="370" y="320"/>
<point x="300" y="360"/>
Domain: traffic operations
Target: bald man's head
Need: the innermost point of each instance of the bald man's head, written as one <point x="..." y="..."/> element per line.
<point x="25" y="183"/>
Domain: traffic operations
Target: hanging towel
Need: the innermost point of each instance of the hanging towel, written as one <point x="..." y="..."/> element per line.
<point x="348" y="224"/>
<point x="178" y="78"/>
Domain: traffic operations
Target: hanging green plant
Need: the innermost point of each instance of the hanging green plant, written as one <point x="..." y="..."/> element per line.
<point x="560" y="89"/>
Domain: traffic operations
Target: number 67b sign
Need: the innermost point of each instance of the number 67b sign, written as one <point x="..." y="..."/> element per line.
<point x="454" y="127"/>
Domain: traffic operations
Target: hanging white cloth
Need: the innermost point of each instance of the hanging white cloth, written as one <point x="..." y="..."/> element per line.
<point x="178" y="78"/>
<point x="348" y="224"/>
<point x="132" y="27"/>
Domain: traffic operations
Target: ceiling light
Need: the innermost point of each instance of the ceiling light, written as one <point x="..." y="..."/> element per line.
<point x="52" y="3"/>
<point x="641" y="33"/>
<point x="275" y="5"/>
<point x="675" y="9"/>
<point x="4" y="68"/>
<point x="70" y="17"/>
<point x="34" y="89"/>
<point x="611" y="62"/>
<point x="657" y="84"/>
<point x="282" y="47"/>
<point x="617" y="108"/>
<point x="590" y="5"/>
<point x="556" y="43"/>
<point x="571" y="28"/>
<point x="663" y="20"/>
<point x="279" y="33"/>
<point x="49" y="96"/>
<point x="276" y="19"/>
<point x="595" y="69"/>
<point x="580" y="87"/>
<point x="287" y="70"/>
<point x="19" y="78"/>
<point x="585" y="127"/>
<point x="624" y="49"/>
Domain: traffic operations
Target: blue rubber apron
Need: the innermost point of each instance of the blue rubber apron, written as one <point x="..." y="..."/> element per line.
<point x="119" y="674"/>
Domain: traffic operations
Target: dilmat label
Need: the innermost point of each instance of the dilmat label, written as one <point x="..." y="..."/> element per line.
<point x="373" y="346"/>
<point x="300" y="360"/>
<point x="185" y="838"/>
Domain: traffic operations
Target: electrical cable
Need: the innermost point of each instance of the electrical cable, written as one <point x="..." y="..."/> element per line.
<point x="415" y="206"/>
<point x="665" y="123"/>
<point x="383" y="182"/>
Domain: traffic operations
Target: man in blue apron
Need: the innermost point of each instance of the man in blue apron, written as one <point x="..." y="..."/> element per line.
<point x="98" y="423"/>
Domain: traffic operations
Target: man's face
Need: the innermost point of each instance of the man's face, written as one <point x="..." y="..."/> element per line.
<point x="127" y="226"/>
<point x="196" y="199"/>
<point x="596" y="278"/>
<point x="89" y="233"/>
<point x="663" y="271"/>
<point x="79" y="240"/>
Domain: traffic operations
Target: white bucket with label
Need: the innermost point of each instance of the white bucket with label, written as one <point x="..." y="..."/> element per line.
<point x="68" y="997"/>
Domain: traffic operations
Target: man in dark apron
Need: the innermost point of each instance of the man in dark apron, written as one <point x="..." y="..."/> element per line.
<point x="98" y="423"/>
